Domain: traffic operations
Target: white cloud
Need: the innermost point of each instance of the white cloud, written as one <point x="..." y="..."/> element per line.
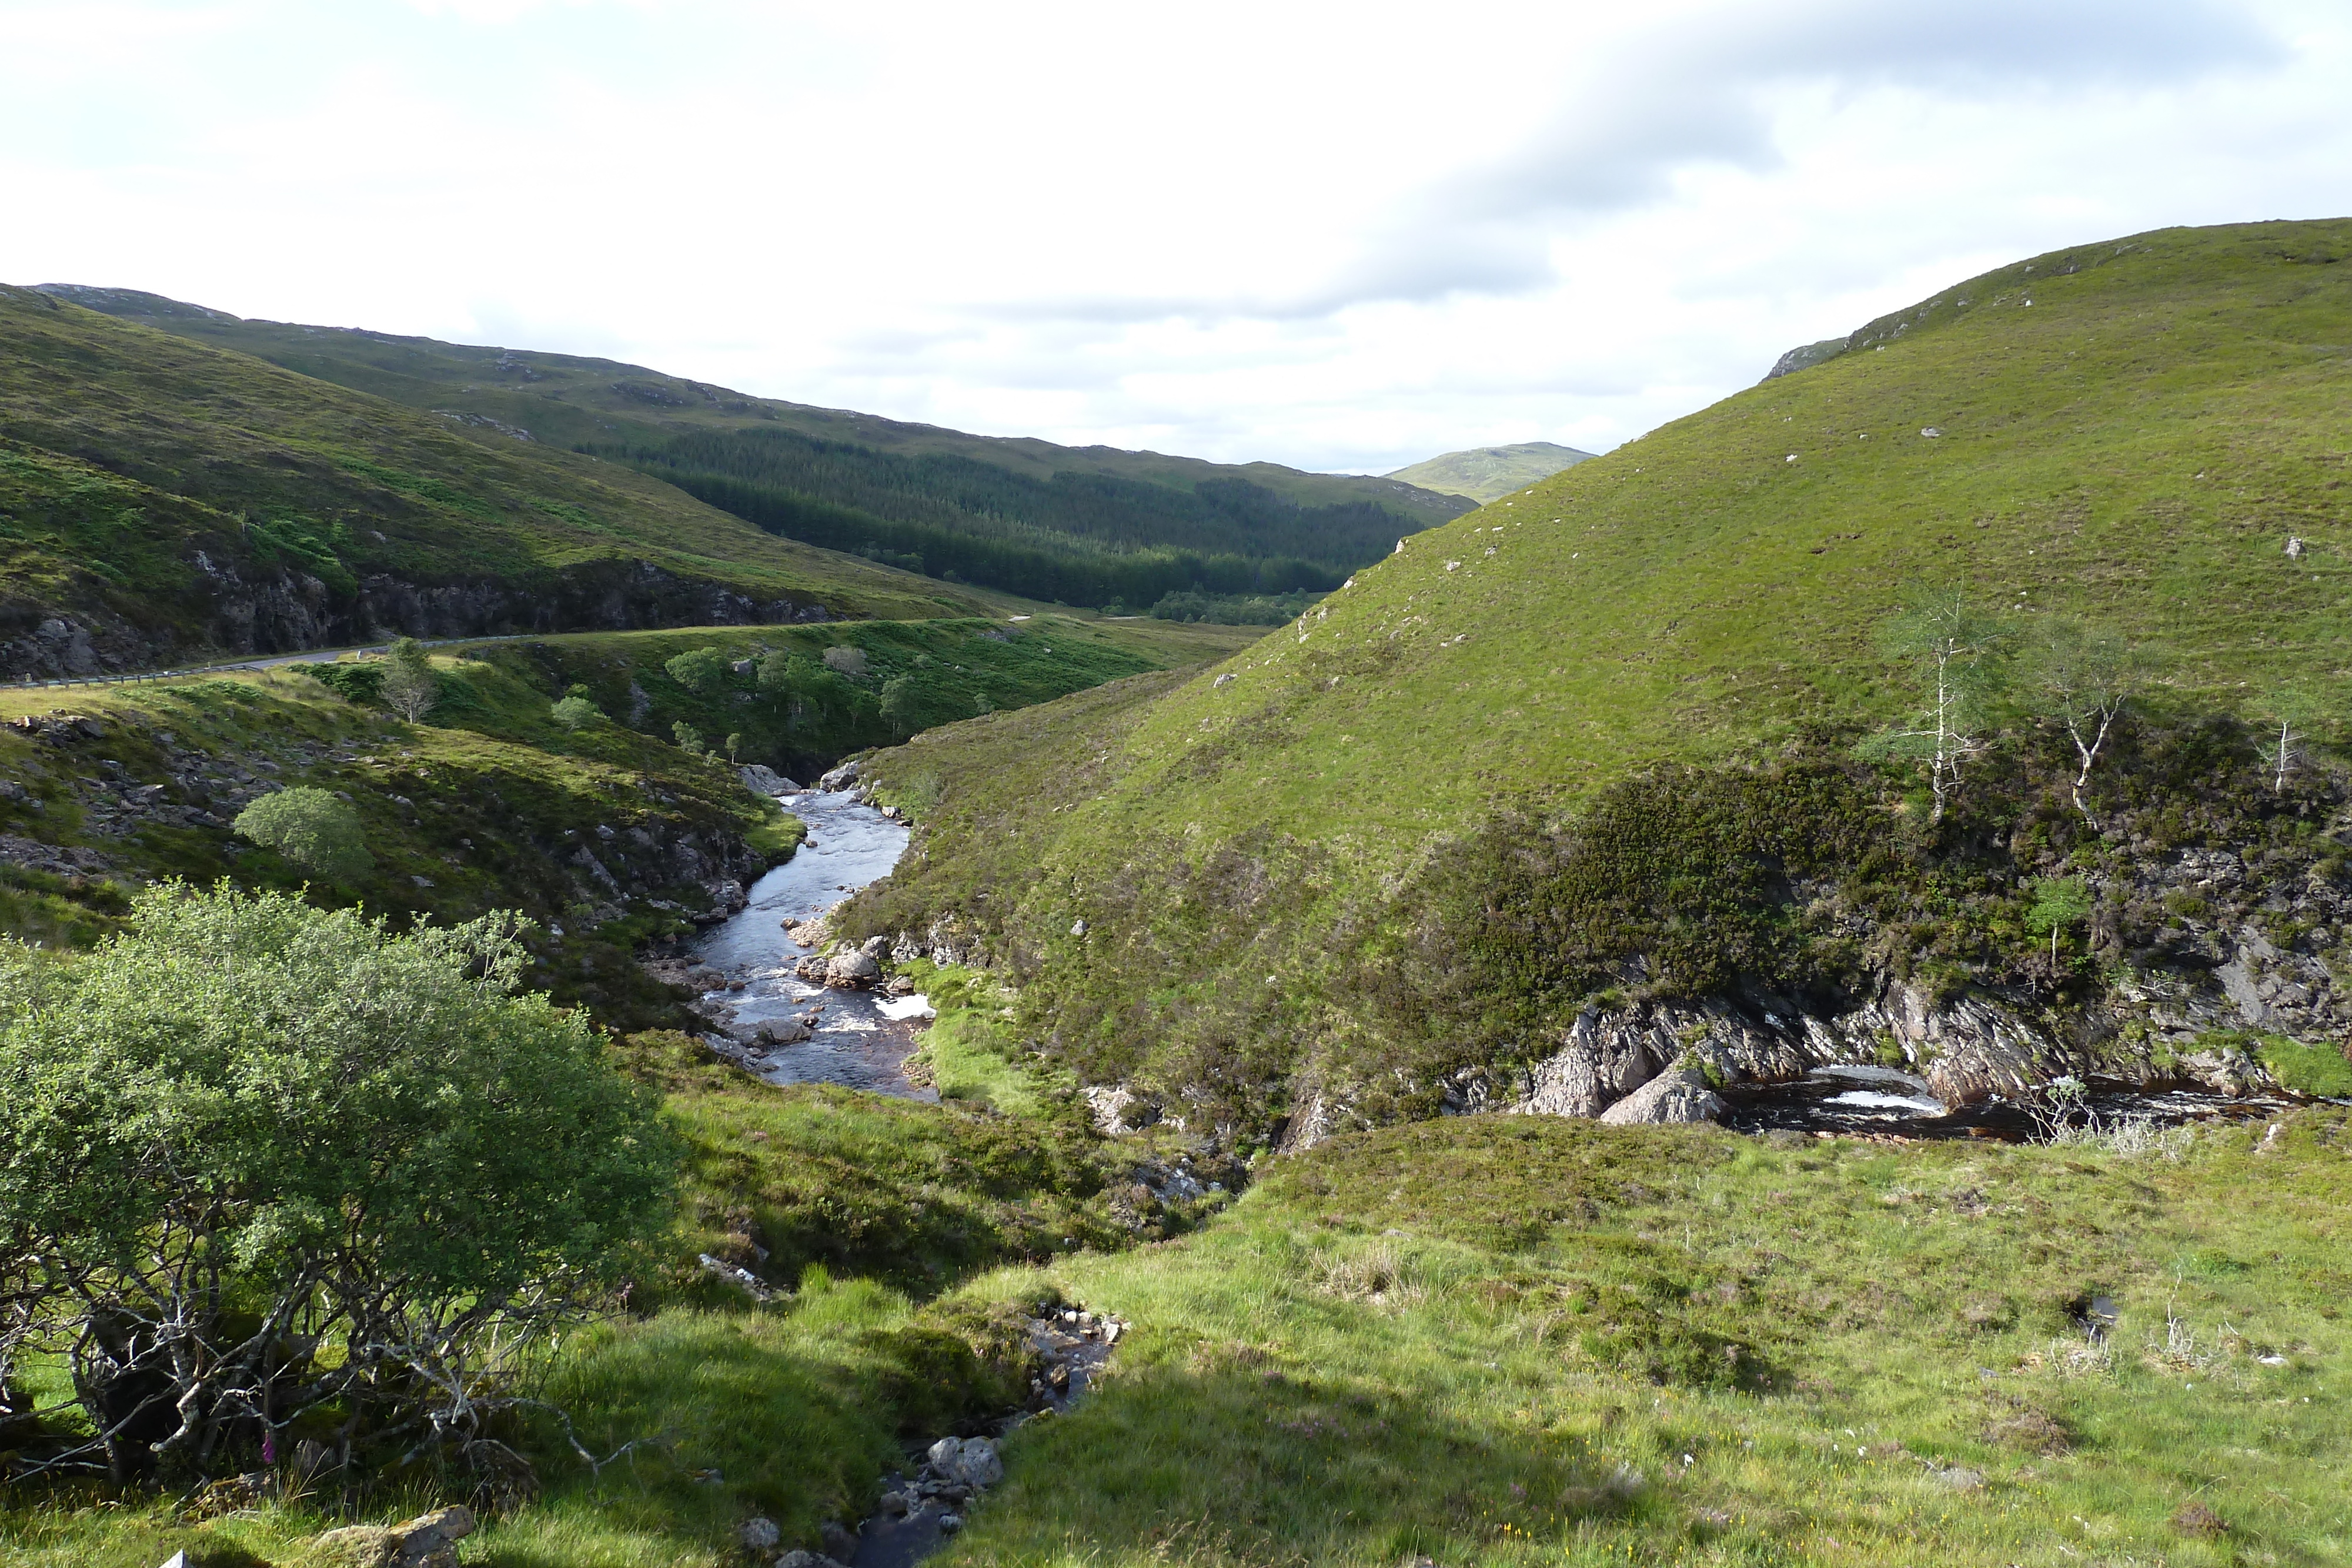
<point x="1239" y="230"/>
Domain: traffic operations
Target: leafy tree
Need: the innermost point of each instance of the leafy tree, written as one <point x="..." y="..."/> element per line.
<point x="688" y="738"/>
<point x="2059" y="902"/>
<point x="408" y="687"/>
<point x="317" y="830"/>
<point x="2083" y="679"/>
<point x="702" y="670"/>
<point x="272" y="1159"/>
<point x="574" y="712"/>
<point x="1950" y="650"/>
<point x="734" y="744"/>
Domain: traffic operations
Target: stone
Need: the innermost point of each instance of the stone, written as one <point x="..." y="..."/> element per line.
<point x="841" y="778"/>
<point x="782" y="1031"/>
<point x="839" y="1542"/>
<point x="428" y="1541"/>
<point x="1677" y="1096"/>
<point x="847" y="971"/>
<point x="949" y="1523"/>
<point x="761" y="779"/>
<point x="2295" y="548"/>
<point x="1958" y="1478"/>
<point x="978" y="1465"/>
<point x="942" y="1455"/>
<point x="758" y="1534"/>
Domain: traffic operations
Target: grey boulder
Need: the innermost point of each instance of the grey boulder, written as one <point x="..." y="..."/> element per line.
<point x="1672" y="1096"/>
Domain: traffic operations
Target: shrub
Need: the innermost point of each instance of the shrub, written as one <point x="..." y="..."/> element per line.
<point x="702" y="672"/>
<point x="575" y="713"/>
<point x="688" y="738"/>
<point x="265" y="1159"/>
<point x="849" y="661"/>
<point x="317" y="830"/>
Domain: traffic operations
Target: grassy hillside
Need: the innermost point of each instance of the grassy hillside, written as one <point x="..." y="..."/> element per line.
<point x="2130" y="432"/>
<point x="1491" y="473"/>
<point x="175" y="496"/>
<point x="1085" y="526"/>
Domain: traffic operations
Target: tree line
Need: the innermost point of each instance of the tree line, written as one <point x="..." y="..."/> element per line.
<point x="963" y="495"/>
<point x="1073" y="539"/>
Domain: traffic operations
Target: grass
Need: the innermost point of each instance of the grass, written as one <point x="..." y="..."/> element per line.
<point x="1509" y="1341"/>
<point x="2134" y="446"/>
<point x="1489" y="1340"/>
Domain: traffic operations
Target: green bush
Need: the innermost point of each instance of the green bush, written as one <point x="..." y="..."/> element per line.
<point x="574" y="713"/>
<point x="702" y="670"/>
<point x="317" y="830"/>
<point x="247" y="1131"/>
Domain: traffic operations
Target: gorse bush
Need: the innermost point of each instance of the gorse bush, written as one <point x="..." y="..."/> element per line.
<point x="271" y="1172"/>
<point x="315" y="830"/>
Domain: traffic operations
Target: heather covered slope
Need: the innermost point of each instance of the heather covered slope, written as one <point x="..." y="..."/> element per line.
<point x="2131" y="430"/>
<point x="1077" y="525"/>
<point x="160" y="498"/>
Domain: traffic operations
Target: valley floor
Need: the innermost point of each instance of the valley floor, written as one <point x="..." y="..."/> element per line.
<point x="1493" y="1341"/>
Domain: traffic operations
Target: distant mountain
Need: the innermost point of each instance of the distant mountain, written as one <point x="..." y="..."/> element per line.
<point x="1081" y="525"/>
<point x="1490" y="473"/>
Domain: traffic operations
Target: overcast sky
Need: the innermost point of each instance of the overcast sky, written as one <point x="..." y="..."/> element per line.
<point x="1340" y="237"/>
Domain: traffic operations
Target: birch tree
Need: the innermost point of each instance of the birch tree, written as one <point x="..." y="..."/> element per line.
<point x="409" y="688"/>
<point x="2083" y="679"/>
<point x="1951" y="650"/>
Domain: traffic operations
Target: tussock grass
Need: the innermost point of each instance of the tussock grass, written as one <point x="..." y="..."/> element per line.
<point x="1906" y="1324"/>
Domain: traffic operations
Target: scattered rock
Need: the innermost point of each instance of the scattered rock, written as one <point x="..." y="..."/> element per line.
<point x="949" y="1523"/>
<point x="741" y="1278"/>
<point x="1958" y="1479"/>
<point x="1118" y="1110"/>
<point x="838" y="1542"/>
<point x="841" y="778"/>
<point x="2295" y="548"/>
<point x="428" y="1541"/>
<point x="759" y="1533"/>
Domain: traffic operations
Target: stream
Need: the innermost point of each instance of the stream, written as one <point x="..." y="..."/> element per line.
<point x="1864" y="1100"/>
<point x="862" y="1039"/>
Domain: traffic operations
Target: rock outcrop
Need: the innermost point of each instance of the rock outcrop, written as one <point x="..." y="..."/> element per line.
<point x="1681" y="1095"/>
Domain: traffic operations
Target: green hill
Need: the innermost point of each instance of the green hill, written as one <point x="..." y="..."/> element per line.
<point x="1385" y="860"/>
<point x="161" y="498"/>
<point x="1080" y="525"/>
<point x="1491" y="473"/>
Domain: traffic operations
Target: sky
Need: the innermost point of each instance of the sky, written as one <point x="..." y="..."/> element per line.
<point x="1341" y="237"/>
